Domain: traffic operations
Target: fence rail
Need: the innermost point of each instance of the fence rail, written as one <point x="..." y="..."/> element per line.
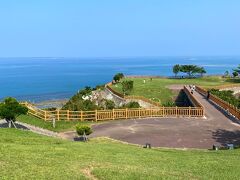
<point x="102" y="115"/>
<point x="223" y="104"/>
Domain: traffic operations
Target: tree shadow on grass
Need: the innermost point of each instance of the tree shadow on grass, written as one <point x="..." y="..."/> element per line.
<point x="237" y="80"/>
<point x="5" y="125"/>
<point x="224" y="137"/>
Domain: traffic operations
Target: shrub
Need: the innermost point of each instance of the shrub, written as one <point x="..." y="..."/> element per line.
<point x="132" y="105"/>
<point x="127" y="87"/>
<point x="109" y="104"/>
<point x="51" y="109"/>
<point x="101" y="87"/>
<point x="80" y="129"/>
<point x="226" y="96"/>
<point x="169" y="104"/>
<point x="235" y="74"/>
<point x="118" y="77"/>
<point x="10" y="109"/>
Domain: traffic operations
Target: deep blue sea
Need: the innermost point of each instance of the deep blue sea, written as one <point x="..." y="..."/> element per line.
<point x="40" y="79"/>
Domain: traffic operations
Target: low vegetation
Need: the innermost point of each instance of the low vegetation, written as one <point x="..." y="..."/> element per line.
<point x="81" y="129"/>
<point x="60" y="125"/>
<point x="80" y="101"/>
<point x="227" y="96"/>
<point x="127" y="86"/>
<point x="117" y="77"/>
<point x="25" y="155"/>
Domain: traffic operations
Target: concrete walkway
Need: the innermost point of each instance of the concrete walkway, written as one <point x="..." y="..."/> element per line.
<point x="216" y="128"/>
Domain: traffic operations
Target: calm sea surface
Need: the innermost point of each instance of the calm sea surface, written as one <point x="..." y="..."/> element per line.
<point x="40" y="79"/>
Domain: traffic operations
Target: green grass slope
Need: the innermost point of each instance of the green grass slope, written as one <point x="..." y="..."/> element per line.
<point x="24" y="155"/>
<point x="60" y="126"/>
<point x="158" y="90"/>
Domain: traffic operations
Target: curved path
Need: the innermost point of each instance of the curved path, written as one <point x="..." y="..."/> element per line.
<point x="216" y="128"/>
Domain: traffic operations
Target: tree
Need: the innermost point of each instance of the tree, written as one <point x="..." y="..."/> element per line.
<point x="83" y="131"/>
<point x="235" y="74"/>
<point x="237" y="69"/>
<point x="176" y="69"/>
<point x="127" y="87"/>
<point x="10" y="109"/>
<point x="189" y="69"/>
<point x="201" y="71"/>
<point x="226" y="74"/>
<point x="118" y="77"/>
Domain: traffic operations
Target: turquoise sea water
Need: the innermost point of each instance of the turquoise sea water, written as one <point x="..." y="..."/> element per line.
<point x="39" y="79"/>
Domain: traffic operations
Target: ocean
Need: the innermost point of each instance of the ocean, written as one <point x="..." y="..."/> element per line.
<point x="42" y="79"/>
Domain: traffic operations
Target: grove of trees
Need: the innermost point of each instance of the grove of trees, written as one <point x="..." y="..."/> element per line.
<point x="190" y="70"/>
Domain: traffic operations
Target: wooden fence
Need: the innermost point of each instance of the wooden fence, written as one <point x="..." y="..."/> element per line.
<point x="101" y="115"/>
<point x="193" y="100"/>
<point x="221" y="103"/>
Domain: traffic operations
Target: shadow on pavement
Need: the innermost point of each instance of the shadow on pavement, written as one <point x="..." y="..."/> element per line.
<point x="224" y="137"/>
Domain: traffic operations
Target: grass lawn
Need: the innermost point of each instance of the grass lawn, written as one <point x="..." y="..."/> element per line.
<point x="60" y="125"/>
<point x="25" y="155"/>
<point x="157" y="89"/>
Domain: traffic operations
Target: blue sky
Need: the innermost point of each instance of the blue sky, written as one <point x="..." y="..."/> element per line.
<point x="109" y="28"/>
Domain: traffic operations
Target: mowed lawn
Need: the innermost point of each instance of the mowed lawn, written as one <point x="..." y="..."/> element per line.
<point x="60" y="126"/>
<point x="158" y="89"/>
<point x="24" y="155"/>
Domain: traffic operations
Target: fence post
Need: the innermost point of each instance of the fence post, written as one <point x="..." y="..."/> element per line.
<point x="189" y="111"/>
<point x="68" y="115"/>
<point x="45" y="115"/>
<point x="58" y="118"/>
<point x="126" y="113"/>
<point x="113" y="114"/>
<point x="96" y="115"/>
<point x="139" y="113"/>
<point x="176" y="111"/>
<point x="81" y="115"/>
<point x="163" y="111"/>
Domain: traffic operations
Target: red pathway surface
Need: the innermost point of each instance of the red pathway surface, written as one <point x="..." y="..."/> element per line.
<point x="216" y="128"/>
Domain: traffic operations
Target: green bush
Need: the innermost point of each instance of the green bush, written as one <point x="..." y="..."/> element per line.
<point x="117" y="77"/>
<point x="132" y="105"/>
<point x="80" y="129"/>
<point x="10" y="109"/>
<point x="127" y="87"/>
<point x="235" y="74"/>
<point x="109" y="104"/>
<point x="169" y="104"/>
<point x="50" y="109"/>
<point x="76" y="103"/>
<point x="226" y="96"/>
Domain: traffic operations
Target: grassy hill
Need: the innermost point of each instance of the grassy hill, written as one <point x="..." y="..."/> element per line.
<point x="60" y="125"/>
<point x="24" y="155"/>
<point x="158" y="90"/>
